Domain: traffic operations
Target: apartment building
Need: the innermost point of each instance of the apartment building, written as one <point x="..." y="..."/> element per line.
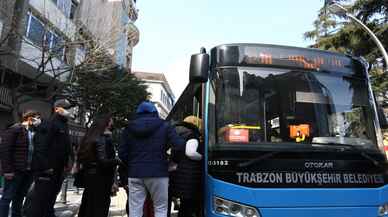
<point x="160" y="90"/>
<point x="111" y="22"/>
<point x="33" y="57"/>
<point x="48" y="45"/>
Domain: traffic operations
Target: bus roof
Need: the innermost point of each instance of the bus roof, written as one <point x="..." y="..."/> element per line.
<point x="282" y="56"/>
<point x="279" y="46"/>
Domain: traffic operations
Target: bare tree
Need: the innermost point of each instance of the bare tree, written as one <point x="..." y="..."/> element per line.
<point x="50" y="79"/>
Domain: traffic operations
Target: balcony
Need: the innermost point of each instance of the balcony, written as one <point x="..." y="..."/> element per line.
<point x="133" y="34"/>
<point x="31" y="59"/>
<point x="130" y="8"/>
<point x="5" y="98"/>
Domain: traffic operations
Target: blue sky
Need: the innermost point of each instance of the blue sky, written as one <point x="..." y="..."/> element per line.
<point x="172" y="30"/>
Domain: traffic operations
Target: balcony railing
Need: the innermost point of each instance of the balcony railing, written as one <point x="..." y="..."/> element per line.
<point x="5" y="96"/>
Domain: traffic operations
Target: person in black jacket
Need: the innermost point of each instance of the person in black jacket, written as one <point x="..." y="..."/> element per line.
<point x="54" y="159"/>
<point x="186" y="180"/>
<point x="18" y="146"/>
<point x="97" y="156"/>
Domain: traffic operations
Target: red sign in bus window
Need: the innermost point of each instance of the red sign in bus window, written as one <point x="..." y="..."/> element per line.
<point x="236" y="135"/>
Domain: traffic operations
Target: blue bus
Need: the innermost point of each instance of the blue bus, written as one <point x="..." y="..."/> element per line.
<point x="287" y="131"/>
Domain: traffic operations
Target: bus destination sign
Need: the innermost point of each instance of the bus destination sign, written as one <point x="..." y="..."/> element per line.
<point x="308" y="178"/>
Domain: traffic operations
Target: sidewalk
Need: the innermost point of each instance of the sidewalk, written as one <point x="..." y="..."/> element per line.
<point x="118" y="203"/>
<point x="73" y="201"/>
<point x="70" y="209"/>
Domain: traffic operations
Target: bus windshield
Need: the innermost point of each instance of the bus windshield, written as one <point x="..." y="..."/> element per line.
<point x="268" y="105"/>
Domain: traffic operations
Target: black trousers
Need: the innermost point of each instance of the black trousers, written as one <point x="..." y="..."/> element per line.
<point x="44" y="193"/>
<point x="96" y="196"/>
<point x="127" y="204"/>
<point x="189" y="208"/>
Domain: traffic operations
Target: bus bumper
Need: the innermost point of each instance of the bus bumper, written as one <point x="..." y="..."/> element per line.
<point x="306" y="202"/>
<point x="314" y="212"/>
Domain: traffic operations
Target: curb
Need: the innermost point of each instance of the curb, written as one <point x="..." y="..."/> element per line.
<point x="68" y="210"/>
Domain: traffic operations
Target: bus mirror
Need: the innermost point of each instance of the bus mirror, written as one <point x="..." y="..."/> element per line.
<point x="382" y="119"/>
<point x="199" y="67"/>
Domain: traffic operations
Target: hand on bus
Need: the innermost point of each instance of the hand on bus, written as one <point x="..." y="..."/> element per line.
<point x="191" y="150"/>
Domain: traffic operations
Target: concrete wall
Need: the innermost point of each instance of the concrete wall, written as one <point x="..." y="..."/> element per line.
<point x="5" y="118"/>
<point x="41" y="106"/>
<point x="6" y="13"/>
<point x="32" y="55"/>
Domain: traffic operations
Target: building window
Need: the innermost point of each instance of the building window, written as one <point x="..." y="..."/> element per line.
<point x="57" y="46"/>
<point x="40" y="36"/>
<point x="64" y="5"/>
<point x="165" y="99"/>
<point x="161" y="95"/>
<point x="73" y="9"/>
<point x="35" y="30"/>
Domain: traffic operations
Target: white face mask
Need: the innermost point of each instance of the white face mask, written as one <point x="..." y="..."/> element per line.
<point x="65" y="113"/>
<point x="36" y="121"/>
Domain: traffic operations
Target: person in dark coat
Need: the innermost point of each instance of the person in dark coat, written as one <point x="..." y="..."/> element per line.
<point x="18" y="144"/>
<point x="48" y="180"/>
<point x="186" y="180"/>
<point x="97" y="157"/>
<point x="143" y="147"/>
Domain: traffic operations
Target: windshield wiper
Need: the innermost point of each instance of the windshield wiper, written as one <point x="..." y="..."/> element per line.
<point x="257" y="160"/>
<point x="271" y="153"/>
<point x="353" y="148"/>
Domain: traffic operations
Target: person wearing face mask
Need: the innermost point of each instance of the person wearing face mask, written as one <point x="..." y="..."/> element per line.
<point x="54" y="159"/>
<point x="17" y="159"/>
<point x="98" y="158"/>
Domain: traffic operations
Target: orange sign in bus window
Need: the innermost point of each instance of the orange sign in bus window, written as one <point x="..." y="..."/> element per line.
<point x="298" y="131"/>
<point x="236" y="135"/>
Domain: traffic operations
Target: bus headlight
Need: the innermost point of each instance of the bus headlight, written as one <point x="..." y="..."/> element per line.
<point x="229" y="208"/>
<point x="383" y="210"/>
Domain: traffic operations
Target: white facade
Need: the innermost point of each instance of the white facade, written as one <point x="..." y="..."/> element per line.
<point x="160" y="91"/>
<point x="112" y="23"/>
<point x="1" y="27"/>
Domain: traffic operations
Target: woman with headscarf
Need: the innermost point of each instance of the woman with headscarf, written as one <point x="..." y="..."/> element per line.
<point x="186" y="181"/>
<point x="97" y="157"/>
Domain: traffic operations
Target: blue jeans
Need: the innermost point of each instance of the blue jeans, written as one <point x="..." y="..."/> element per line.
<point x="14" y="191"/>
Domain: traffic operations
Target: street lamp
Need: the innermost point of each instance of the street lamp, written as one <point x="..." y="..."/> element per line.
<point x="341" y="11"/>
